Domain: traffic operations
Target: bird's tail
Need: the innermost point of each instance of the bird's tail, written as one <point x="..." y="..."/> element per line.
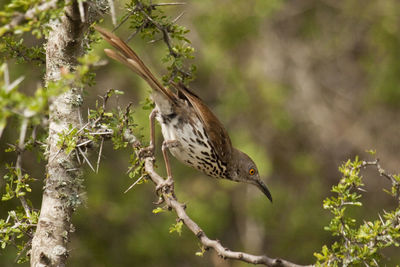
<point x="127" y="56"/>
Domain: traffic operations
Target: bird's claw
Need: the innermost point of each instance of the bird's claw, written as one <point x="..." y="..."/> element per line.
<point x="146" y="152"/>
<point x="165" y="186"/>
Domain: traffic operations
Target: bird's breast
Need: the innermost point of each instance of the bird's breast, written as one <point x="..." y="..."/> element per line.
<point x="194" y="147"/>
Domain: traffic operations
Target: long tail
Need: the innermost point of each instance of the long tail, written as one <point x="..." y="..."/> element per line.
<point x="127" y="56"/>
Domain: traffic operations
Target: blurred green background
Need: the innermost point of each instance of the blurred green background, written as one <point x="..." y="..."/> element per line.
<point x="301" y="86"/>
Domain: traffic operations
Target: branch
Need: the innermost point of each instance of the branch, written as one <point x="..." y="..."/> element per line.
<point x="381" y="171"/>
<point x="170" y="199"/>
<point x="395" y="182"/>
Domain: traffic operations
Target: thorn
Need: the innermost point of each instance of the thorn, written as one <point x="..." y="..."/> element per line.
<point x="178" y="17"/>
<point x="6" y="76"/>
<point x="170" y="4"/>
<point x="81" y="10"/>
<point x="381" y="219"/>
<point x="14" y="83"/>
<point x="155" y="40"/>
<point x="99" y="157"/>
<point x="77" y="156"/>
<point x="86" y="159"/>
<point x="80" y="117"/>
<point x="83" y="143"/>
<point x="112" y="12"/>
<point x="82" y="128"/>
<point x="132" y="185"/>
<point x="70" y="131"/>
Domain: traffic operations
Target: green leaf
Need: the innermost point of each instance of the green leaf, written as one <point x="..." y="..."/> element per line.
<point x="371" y="151"/>
<point x="177" y="227"/>
<point x="158" y="210"/>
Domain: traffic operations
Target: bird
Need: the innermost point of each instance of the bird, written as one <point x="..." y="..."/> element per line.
<point x="191" y="131"/>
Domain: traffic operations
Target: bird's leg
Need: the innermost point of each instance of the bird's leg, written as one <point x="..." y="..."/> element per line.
<point x="149" y="151"/>
<point x="169" y="182"/>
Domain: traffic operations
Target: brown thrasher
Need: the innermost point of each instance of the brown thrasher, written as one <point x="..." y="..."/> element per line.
<point x="192" y="133"/>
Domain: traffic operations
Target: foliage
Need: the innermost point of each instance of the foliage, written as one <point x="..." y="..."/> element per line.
<point x="359" y="244"/>
<point x="20" y="17"/>
<point x="177" y="227"/>
<point x="153" y="25"/>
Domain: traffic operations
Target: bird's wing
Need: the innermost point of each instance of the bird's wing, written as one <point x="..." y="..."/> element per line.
<point x="216" y="132"/>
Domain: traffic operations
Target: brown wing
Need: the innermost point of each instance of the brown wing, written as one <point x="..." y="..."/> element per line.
<point x="219" y="137"/>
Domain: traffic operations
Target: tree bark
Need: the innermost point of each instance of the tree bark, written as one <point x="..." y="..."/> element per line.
<point x="64" y="175"/>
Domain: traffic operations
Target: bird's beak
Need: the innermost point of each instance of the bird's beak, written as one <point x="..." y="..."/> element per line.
<point x="260" y="184"/>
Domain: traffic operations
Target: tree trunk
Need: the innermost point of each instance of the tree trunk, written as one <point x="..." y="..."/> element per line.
<point x="63" y="180"/>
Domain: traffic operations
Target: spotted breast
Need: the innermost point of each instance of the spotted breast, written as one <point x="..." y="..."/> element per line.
<point x="193" y="146"/>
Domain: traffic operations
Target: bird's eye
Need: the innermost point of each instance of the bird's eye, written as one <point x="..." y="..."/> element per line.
<point x="252" y="171"/>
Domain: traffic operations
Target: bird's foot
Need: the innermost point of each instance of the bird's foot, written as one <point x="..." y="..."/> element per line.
<point x="146" y="152"/>
<point x="166" y="186"/>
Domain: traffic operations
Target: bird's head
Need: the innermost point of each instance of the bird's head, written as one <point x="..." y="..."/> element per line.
<point x="245" y="170"/>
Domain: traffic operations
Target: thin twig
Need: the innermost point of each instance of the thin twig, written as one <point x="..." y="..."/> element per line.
<point x="381" y="171"/>
<point x="125" y="19"/>
<point x="135" y="32"/>
<point x="25" y="248"/>
<point x="163" y="30"/>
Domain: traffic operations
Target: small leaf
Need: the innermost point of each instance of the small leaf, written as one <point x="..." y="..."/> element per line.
<point x="158" y="210"/>
<point x="371" y="151"/>
<point x="177" y="227"/>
